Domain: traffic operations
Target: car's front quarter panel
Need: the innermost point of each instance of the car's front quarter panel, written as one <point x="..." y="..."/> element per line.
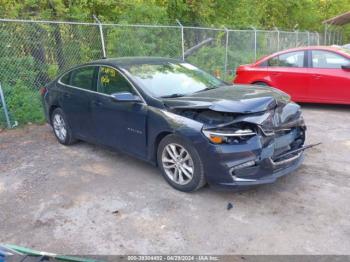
<point x="162" y="122"/>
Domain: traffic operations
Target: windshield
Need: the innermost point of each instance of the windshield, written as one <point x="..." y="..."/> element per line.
<point x="173" y="79"/>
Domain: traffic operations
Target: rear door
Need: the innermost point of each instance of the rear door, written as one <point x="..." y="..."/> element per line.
<point x="76" y="90"/>
<point x="330" y="83"/>
<point x="119" y="124"/>
<point x="289" y="73"/>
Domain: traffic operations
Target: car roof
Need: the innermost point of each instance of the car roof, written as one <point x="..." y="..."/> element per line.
<point x="336" y="49"/>
<point x="126" y="61"/>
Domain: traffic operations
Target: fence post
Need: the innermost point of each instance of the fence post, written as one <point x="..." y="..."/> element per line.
<point x="336" y="35"/>
<point x="296" y="38"/>
<point x="308" y="38"/>
<point x="255" y="42"/>
<point x="226" y="51"/>
<point x="2" y="99"/>
<point x="101" y="35"/>
<point x="341" y="37"/>
<point x="331" y="35"/>
<point x="182" y="39"/>
<point x="278" y="38"/>
<point x="325" y="34"/>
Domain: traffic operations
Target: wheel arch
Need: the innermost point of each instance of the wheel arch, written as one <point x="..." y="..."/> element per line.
<point x="157" y="140"/>
<point x="51" y="109"/>
<point x="261" y="81"/>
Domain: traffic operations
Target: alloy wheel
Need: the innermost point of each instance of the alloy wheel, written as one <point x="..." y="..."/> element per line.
<point x="177" y="163"/>
<point x="59" y="127"/>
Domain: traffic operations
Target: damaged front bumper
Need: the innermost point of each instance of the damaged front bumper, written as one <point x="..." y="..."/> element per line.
<point x="266" y="171"/>
<point x="249" y="164"/>
<point x="259" y="160"/>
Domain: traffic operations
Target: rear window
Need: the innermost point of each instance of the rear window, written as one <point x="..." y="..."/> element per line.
<point x="65" y="78"/>
<point x="84" y="78"/>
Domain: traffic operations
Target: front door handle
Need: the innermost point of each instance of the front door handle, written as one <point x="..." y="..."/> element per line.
<point x="317" y="77"/>
<point x="97" y="103"/>
<point x="65" y="95"/>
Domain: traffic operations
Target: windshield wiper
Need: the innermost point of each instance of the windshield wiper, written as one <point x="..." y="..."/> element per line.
<point x="205" y="89"/>
<point x="172" y="96"/>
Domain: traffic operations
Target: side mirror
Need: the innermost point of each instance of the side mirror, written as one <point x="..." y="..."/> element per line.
<point x="346" y="67"/>
<point x="125" y="97"/>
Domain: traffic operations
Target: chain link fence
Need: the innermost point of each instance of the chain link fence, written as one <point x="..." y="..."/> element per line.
<point x="130" y="40"/>
<point x="32" y="53"/>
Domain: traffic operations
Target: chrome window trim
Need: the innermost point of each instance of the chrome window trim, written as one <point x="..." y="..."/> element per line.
<point x="95" y="92"/>
<point x="238" y="179"/>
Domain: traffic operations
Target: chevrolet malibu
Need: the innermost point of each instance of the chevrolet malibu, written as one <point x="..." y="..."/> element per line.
<point x="196" y="128"/>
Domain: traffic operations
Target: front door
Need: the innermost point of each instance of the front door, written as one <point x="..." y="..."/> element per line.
<point x="119" y="124"/>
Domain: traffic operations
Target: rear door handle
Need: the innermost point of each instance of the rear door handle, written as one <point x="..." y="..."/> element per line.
<point x="317" y="77"/>
<point x="65" y="95"/>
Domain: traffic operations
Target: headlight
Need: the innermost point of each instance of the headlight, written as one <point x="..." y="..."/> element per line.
<point x="228" y="135"/>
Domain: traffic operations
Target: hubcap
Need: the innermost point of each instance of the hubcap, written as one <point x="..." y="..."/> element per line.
<point x="59" y="127"/>
<point x="177" y="164"/>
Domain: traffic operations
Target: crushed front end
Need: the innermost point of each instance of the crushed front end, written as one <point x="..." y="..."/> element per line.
<point x="254" y="148"/>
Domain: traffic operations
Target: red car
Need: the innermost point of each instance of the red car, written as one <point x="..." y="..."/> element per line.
<point x="308" y="74"/>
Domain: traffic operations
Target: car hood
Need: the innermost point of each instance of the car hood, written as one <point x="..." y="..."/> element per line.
<point x="232" y="99"/>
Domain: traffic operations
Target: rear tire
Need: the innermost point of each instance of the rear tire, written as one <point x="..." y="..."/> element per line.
<point x="180" y="164"/>
<point x="259" y="83"/>
<point x="61" y="127"/>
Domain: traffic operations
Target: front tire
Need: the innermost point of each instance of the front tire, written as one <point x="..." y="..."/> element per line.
<point x="61" y="128"/>
<point x="180" y="164"/>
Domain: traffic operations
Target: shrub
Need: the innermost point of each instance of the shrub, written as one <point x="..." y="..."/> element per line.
<point x="24" y="104"/>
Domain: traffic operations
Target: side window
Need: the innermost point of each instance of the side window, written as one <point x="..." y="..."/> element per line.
<point x="325" y="59"/>
<point x="65" y="78"/>
<point x="111" y="81"/>
<point x="84" y="78"/>
<point x="292" y="59"/>
<point x="273" y="61"/>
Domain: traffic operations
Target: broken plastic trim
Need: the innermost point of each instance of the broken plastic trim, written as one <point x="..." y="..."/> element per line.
<point x="244" y="165"/>
<point x="299" y="150"/>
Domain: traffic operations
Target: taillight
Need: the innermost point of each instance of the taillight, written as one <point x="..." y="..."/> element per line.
<point x="43" y="91"/>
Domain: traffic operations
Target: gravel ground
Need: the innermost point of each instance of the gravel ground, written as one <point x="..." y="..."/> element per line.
<point x="85" y="199"/>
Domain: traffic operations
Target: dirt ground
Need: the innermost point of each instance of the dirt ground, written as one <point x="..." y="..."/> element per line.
<point x="85" y="199"/>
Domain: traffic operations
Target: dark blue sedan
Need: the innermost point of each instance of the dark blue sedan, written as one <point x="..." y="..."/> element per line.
<point x="195" y="127"/>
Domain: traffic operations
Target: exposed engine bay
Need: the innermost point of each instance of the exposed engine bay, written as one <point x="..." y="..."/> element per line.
<point x="281" y="128"/>
<point x="208" y="117"/>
